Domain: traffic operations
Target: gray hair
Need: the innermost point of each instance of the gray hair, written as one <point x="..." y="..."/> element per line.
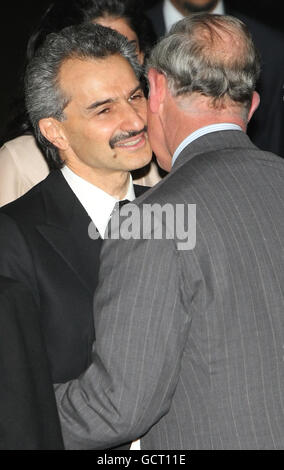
<point x="210" y="54"/>
<point x="44" y="95"/>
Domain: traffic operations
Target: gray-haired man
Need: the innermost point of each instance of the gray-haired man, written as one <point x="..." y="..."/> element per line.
<point x="190" y="342"/>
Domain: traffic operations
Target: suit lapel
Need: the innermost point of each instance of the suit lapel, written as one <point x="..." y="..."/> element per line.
<point x="66" y="230"/>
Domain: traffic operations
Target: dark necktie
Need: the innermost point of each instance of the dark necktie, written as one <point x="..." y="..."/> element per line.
<point x="121" y="203"/>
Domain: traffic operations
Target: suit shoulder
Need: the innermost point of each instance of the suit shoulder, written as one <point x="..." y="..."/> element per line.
<point x="160" y="193"/>
<point x="10" y="286"/>
<point x="194" y="175"/>
<point x="157" y="18"/>
<point x="28" y="204"/>
<point x="7" y="283"/>
<point x="261" y="28"/>
<point x="156" y="10"/>
<point x="265" y="37"/>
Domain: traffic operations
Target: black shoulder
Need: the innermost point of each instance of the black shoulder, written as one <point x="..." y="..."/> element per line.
<point x="10" y="286"/>
<point x="157" y="18"/>
<point x="23" y="203"/>
<point x="266" y="38"/>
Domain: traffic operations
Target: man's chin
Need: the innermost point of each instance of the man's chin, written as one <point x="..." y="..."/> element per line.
<point x="134" y="160"/>
<point x="191" y="8"/>
<point x="139" y="164"/>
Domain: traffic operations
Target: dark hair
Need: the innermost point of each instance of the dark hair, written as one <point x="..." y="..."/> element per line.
<point x="63" y="13"/>
<point x="44" y="95"/>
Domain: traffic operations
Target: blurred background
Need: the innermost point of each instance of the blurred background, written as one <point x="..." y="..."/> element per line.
<point x="18" y="20"/>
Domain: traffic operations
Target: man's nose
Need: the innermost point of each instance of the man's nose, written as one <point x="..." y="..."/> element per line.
<point x="133" y="117"/>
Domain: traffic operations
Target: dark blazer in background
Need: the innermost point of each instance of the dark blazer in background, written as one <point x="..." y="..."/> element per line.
<point x="267" y="124"/>
<point x="196" y="356"/>
<point x="28" y="414"/>
<point x="44" y="243"/>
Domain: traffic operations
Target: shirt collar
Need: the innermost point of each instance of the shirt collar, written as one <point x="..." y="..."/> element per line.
<point x="224" y="126"/>
<point x="172" y="15"/>
<point x="98" y="204"/>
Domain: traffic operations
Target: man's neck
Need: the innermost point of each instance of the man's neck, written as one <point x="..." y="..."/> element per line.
<point x="194" y="112"/>
<point x="113" y="183"/>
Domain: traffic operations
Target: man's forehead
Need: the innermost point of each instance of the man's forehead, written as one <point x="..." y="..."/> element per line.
<point x="81" y="75"/>
<point x="76" y="65"/>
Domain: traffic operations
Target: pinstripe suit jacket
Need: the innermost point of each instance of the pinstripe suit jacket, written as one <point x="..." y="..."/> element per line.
<point x="190" y="349"/>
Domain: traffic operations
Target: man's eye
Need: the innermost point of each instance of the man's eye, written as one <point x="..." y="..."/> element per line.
<point x="136" y="96"/>
<point x="104" y="111"/>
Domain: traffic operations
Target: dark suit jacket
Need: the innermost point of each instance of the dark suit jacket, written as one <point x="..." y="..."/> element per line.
<point x="44" y="243"/>
<point x="267" y="124"/>
<point x="196" y="355"/>
<point x="28" y="414"/>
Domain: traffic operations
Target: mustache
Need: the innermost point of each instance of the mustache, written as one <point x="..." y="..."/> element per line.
<point x="125" y="135"/>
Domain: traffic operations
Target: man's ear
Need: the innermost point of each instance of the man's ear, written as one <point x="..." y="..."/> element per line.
<point x="158" y="86"/>
<point x="52" y="131"/>
<point x="254" y="104"/>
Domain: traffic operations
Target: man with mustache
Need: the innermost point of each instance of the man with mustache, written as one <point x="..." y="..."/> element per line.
<point x="266" y="126"/>
<point x="86" y="103"/>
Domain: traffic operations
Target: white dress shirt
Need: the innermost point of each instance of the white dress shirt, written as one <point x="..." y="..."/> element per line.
<point x="98" y="204"/>
<point x="172" y="15"/>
